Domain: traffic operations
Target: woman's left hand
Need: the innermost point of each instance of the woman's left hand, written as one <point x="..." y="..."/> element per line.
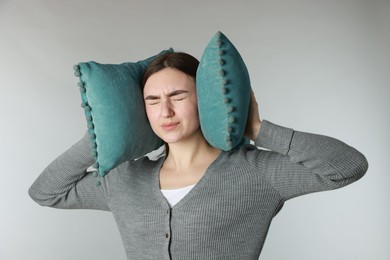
<point x="253" y="124"/>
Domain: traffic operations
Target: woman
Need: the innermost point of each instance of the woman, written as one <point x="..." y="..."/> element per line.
<point x="198" y="202"/>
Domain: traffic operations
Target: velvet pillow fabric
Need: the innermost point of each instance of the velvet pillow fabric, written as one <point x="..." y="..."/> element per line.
<point x="223" y="89"/>
<point x="113" y="104"/>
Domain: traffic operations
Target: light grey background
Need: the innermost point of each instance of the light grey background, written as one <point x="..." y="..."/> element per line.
<point x="317" y="66"/>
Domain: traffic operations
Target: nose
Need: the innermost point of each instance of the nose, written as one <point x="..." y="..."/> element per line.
<point x="166" y="109"/>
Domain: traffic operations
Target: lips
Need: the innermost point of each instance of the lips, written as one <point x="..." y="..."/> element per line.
<point x="169" y="126"/>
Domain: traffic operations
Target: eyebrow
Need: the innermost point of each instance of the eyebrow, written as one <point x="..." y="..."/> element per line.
<point x="173" y="93"/>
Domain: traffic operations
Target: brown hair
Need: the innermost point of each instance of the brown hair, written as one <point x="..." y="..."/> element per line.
<point x="176" y="60"/>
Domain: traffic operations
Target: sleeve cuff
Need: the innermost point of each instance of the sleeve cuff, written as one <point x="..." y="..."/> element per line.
<point x="82" y="150"/>
<point x="274" y="137"/>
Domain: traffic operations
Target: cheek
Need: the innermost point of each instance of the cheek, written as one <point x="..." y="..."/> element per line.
<point x="195" y="108"/>
<point x="192" y="112"/>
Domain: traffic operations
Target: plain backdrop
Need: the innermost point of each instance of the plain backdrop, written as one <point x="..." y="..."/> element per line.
<point x="316" y="66"/>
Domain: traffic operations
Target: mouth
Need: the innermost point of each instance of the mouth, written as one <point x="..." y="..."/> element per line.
<point x="169" y="126"/>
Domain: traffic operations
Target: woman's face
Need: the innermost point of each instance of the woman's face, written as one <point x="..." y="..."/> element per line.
<point x="171" y="105"/>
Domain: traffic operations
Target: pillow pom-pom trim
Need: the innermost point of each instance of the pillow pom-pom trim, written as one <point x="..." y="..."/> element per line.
<point x="225" y="89"/>
<point x="90" y="124"/>
<point x="222" y="66"/>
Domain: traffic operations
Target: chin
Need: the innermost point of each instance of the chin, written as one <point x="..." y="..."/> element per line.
<point x="171" y="140"/>
<point x="179" y="136"/>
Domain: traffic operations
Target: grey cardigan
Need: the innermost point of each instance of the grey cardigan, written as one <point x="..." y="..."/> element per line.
<point x="228" y="212"/>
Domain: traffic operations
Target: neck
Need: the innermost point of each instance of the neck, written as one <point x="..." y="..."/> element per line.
<point x="191" y="152"/>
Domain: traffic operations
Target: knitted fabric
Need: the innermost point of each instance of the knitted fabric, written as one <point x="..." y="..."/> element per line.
<point x="228" y="212"/>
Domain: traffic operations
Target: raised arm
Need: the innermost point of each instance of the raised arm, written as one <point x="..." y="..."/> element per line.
<point x="65" y="183"/>
<point x="299" y="163"/>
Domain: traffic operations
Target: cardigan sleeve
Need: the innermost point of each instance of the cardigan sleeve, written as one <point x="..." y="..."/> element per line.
<point x="299" y="163"/>
<point x="65" y="183"/>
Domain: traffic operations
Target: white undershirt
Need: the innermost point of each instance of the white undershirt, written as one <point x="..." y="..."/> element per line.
<point x="175" y="195"/>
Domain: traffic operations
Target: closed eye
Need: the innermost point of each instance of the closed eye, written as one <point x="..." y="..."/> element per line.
<point x="176" y="95"/>
<point x="152" y="100"/>
<point x="179" y="99"/>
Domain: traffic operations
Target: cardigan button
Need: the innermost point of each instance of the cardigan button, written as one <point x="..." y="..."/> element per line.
<point x="167" y="235"/>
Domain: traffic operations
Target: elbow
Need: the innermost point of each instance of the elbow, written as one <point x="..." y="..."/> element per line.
<point x="355" y="168"/>
<point x="361" y="166"/>
<point x="41" y="198"/>
<point x="32" y="191"/>
<point x="349" y="170"/>
<point x="35" y="195"/>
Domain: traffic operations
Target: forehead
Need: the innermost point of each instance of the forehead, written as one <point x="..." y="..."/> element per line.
<point x="168" y="80"/>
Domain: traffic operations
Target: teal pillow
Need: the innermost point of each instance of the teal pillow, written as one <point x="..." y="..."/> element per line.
<point x="114" y="108"/>
<point x="223" y="90"/>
